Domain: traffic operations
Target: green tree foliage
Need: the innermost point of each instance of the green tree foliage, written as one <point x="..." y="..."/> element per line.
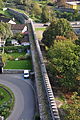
<point x="64" y="55"/>
<point x="75" y="16"/>
<point x="47" y="14"/>
<point x="36" y="10"/>
<point x="72" y="111"/>
<point x="1" y="4"/>
<point x="58" y="27"/>
<point x="5" y="30"/>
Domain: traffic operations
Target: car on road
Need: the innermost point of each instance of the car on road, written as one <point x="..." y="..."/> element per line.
<point x="26" y="74"/>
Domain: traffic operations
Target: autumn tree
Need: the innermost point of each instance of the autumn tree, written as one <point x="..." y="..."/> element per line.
<point x="72" y="110"/>
<point x="58" y="27"/>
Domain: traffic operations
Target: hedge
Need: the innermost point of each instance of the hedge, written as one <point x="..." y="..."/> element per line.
<point x="8" y="49"/>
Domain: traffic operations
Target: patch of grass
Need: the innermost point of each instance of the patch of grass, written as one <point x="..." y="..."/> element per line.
<point x="20" y="64"/>
<point x="6" y="101"/>
<point x="40" y="29"/>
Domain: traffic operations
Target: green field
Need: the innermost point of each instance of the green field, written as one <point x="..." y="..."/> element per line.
<point x="20" y="64"/>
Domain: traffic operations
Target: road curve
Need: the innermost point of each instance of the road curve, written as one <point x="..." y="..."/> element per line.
<point x="24" y="108"/>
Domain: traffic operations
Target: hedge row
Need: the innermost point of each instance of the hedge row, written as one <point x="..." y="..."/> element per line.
<point x="8" y="49"/>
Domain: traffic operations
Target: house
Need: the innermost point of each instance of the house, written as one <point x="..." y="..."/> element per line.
<point x="76" y="27"/>
<point x="18" y="28"/>
<point x="73" y="5"/>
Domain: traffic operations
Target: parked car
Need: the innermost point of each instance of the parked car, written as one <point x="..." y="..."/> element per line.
<point x="26" y="74"/>
<point x="46" y="24"/>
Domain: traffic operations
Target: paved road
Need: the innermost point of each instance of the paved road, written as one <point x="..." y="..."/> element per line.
<point x="24" y="108"/>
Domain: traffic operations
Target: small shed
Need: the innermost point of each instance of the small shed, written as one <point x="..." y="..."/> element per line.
<point x="1" y="64"/>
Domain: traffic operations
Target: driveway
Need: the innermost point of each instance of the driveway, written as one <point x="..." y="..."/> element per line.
<point x="24" y="108"/>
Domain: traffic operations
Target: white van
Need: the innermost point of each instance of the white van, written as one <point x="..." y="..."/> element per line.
<point x="26" y="73"/>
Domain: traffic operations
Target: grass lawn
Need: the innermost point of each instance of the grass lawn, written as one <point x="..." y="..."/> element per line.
<point x="39" y="32"/>
<point x="6" y="101"/>
<point x="5" y="94"/>
<point x="20" y="64"/>
<point x="40" y="29"/>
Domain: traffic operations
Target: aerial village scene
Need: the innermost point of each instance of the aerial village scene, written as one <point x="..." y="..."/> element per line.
<point x="39" y="59"/>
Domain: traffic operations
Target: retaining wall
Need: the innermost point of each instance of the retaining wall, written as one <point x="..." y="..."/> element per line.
<point x="46" y="82"/>
<point x="12" y="71"/>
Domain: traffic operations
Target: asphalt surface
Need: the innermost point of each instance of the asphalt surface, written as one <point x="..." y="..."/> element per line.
<point x="24" y="108"/>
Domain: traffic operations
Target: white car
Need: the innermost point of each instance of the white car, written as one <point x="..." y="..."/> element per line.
<point x="26" y="73"/>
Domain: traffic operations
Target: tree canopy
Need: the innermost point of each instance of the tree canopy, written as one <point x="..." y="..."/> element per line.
<point x="58" y="27"/>
<point x="1" y="4"/>
<point x="5" y="30"/>
<point x="36" y="10"/>
<point x="64" y="55"/>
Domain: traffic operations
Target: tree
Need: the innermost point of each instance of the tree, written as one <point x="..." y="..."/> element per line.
<point x="64" y="55"/>
<point x="36" y="10"/>
<point x="5" y="30"/>
<point x="47" y="14"/>
<point x="1" y="4"/>
<point x="58" y="27"/>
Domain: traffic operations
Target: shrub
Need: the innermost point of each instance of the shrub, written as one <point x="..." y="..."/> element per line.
<point x="8" y="49"/>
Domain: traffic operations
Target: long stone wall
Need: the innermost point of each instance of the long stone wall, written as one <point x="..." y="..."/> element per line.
<point x="46" y="82"/>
